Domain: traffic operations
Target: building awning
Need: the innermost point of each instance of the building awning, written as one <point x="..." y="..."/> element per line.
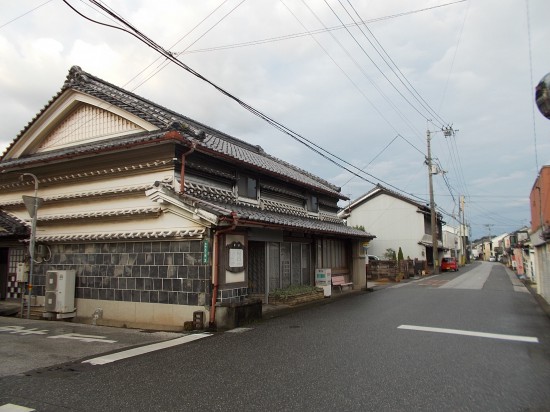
<point x="427" y="241"/>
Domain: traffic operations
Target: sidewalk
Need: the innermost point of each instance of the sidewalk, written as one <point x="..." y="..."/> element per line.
<point x="11" y="307"/>
<point x="270" y="311"/>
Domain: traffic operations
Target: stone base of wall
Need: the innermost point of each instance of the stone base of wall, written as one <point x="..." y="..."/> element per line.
<point x="136" y="314"/>
<point x="297" y="299"/>
<point x="233" y="315"/>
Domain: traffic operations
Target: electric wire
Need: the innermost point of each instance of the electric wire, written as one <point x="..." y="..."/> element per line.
<point x="166" y="62"/>
<point x="355" y="85"/>
<point x="373" y="159"/>
<point x="393" y="66"/>
<point x="317" y="31"/>
<point x="413" y="106"/>
<point x="364" y="73"/>
<point x="24" y="14"/>
<point x="532" y="84"/>
<point x="309" y="144"/>
<point x="444" y="94"/>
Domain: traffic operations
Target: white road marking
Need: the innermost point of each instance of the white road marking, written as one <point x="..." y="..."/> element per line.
<point x="470" y="333"/>
<point x="102" y="360"/>
<point x="10" y="407"/>
<point x="83" y="338"/>
<point x="238" y="330"/>
<point x="23" y="331"/>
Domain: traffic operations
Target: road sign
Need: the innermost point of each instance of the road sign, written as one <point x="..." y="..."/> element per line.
<point x="31" y="202"/>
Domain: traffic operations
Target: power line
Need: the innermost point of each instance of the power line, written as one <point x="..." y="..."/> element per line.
<point x="376" y="65"/>
<point x="399" y="74"/>
<point x="363" y="72"/>
<point x="169" y="55"/>
<point x="24" y="14"/>
<point x="310" y="32"/>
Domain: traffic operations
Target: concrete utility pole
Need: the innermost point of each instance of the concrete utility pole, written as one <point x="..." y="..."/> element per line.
<point x="447" y="131"/>
<point x="435" y="256"/>
<point x="465" y="258"/>
<point x="488" y="226"/>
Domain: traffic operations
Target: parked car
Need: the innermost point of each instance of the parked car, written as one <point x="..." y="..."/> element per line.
<point x="492" y="259"/>
<point x="449" y="263"/>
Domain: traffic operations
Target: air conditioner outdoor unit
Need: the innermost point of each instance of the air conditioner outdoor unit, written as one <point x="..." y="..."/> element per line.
<point x="60" y="286"/>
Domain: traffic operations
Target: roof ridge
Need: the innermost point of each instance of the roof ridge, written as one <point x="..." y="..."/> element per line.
<point x="76" y="75"/>
<point x="163" y="118"/>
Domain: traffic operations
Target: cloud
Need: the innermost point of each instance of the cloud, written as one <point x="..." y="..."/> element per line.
<point x="471" y="63"/>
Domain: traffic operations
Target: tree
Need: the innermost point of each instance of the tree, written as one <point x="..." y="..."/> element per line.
<point x="400" y="255"/>
<point x="390" y="254"/>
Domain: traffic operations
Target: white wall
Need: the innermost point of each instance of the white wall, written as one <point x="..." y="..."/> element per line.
<point x="395" y="224"/>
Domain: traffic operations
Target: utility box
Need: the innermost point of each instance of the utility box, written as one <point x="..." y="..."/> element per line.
<point x="22" y="274"/>
<point x="323" y="279"/>
<point x="60" y="287"/>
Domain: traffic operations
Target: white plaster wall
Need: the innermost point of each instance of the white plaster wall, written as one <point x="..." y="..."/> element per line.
<point x="138" y="315"/>
<point x="394" y="222"/>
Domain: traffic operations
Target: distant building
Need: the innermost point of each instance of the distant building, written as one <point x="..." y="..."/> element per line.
<point x="540" y="230"/>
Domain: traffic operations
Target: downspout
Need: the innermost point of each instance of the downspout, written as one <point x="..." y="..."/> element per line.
<point x="215" y="267"/>
<point x="182" y="171"/>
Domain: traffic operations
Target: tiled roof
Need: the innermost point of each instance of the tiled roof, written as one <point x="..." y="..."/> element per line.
<point x="255" y="215"/>
<point x="379" y="189"/>
<point x="88" y="148"/>
<point x="11" y="226"/>
<point x="208" y="140"/>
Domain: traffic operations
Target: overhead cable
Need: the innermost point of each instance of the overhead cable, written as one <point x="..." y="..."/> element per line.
<point x="171" y="56"/>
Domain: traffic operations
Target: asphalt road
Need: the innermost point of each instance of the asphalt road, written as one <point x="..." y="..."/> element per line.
<point x="444" y="343"/>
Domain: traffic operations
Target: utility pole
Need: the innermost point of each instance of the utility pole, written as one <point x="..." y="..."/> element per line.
<point x="447" y="131"/>
<point x="463" y="230"/>
<point x="32" y="204"/>
<point x="488" y="226"/>
<point x="435" y="256"/>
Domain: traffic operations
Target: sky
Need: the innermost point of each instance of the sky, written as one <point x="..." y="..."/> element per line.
<point x="366" y="84"/>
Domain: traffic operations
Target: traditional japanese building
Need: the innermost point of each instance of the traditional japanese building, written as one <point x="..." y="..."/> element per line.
<point x="158" y="215"/>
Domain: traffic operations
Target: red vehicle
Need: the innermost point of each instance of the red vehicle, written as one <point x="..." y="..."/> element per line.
<point x="449" y="263"/>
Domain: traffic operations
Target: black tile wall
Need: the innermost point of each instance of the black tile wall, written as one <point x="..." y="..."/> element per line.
<point x="153" y="272"/>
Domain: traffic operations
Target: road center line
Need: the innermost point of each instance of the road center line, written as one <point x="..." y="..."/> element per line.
<point x="470" y="333"/>
<point x="113" y="357"/>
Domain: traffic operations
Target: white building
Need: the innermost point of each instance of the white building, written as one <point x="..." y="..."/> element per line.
<point x="396" y="221"/>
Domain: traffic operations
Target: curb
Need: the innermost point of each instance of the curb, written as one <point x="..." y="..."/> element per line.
<point x="540" y="300"/>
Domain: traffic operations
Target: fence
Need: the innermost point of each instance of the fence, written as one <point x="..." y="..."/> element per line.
<point x="405" y="269"/>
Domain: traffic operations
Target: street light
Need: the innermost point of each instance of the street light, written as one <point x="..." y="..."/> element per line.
<point x="32" y="204"/>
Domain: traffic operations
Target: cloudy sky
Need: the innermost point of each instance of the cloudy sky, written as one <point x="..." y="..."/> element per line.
<point x="365" y="93"/>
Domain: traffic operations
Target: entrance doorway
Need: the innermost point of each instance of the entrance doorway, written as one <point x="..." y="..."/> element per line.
<point x="3" y="273"/>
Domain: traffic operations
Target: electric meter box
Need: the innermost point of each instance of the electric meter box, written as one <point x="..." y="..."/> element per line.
<point x="22" y="274"/>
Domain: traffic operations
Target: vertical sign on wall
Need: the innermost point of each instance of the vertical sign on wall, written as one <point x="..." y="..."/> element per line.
<point x="205" y="252"/>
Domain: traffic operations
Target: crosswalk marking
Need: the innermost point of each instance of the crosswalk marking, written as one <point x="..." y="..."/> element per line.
<point x="471" y="333"/>
<point x="113" y="357"/>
